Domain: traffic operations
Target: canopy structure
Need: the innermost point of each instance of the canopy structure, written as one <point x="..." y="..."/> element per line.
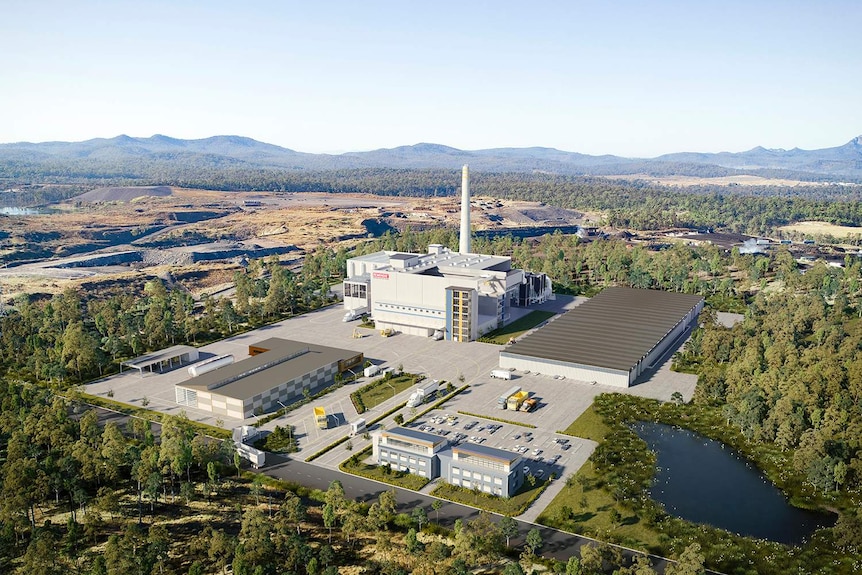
<point x="165" y="359"/>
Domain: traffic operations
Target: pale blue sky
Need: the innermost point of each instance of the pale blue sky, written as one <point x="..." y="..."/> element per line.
<point x="632" y="78"/>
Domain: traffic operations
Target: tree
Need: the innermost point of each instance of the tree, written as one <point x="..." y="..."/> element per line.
<point x="329" y="518"/>
<point x="419" y="516"/>
<point x="573" y="566"/>
<point x="413" y="544"/>
<point x="513" y="569"/>
<point x="508" y="528"/>
<point x="534" y="540"/>
<point x="436" y="505"/>
<point x="591" y="560"/>
<point x="690" y="562"/>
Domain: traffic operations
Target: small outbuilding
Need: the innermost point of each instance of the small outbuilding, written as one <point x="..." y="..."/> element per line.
<point x="163" y="360"/>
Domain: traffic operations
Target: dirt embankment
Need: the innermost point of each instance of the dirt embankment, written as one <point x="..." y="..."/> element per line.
<point x="121" y="194"/>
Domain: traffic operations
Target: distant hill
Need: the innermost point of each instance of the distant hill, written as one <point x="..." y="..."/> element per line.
<point x="125" y="157"/>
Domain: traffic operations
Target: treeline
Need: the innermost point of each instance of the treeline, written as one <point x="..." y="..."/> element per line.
<point x="73" y="336"/>
<point x="578" y="267"/>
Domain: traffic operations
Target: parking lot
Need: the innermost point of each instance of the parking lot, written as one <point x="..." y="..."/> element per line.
<point x="543" y="452"/>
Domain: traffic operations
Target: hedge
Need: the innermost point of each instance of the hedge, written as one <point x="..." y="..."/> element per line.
<point x="501" y="420"/>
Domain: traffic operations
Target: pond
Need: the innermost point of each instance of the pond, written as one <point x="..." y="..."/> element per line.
<point x="703" y="481"/>
<point x="16" y="211"/>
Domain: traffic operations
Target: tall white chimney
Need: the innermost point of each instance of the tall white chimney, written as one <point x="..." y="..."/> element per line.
<point x="464" y="237"/>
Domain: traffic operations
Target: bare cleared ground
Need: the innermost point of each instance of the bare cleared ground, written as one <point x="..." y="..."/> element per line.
<point x="165" y="224"/>
<point x="822" y="228"/>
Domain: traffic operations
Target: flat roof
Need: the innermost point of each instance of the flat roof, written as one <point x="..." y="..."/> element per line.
<point x="260" y="373"/>
<point x="415" y="435"/>
<point x="447" y="261"/>
<point x="155" y="357"/>
<point x="487" y="452"/>
<point x="614" y="329"/>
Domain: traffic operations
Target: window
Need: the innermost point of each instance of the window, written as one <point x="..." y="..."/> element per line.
<point x="467" y="474"/>
<point x="456" y="471"/>
<point x="498" y="481"/>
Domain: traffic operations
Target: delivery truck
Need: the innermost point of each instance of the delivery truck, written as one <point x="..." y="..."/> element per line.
<point x="503" y="399"/>
<point x="501" y="374"/>
<point x="357" y="427"/>
<point x="515" y="401"/>
<point x="423" y="393"/>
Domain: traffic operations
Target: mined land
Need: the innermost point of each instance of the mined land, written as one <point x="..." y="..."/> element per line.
<point x="112" y="238"/>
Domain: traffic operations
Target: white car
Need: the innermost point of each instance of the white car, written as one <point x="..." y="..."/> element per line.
<point x="537" y="451"/>
<point x="526" y="470"/>
<point x="540" y="473"/>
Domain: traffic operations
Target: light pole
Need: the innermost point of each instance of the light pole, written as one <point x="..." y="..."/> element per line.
<point x="289" y="430"/>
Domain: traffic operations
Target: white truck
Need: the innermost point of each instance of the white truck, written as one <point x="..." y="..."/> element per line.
<point x="501" y="374"/>
<point x="355" y="313"/>
<point x="371" y="370"/>
<point x="423" y="393"/>
<point x="357" y="427"/>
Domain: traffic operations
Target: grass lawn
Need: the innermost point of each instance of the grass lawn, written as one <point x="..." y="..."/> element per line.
<point x="588" y="426"/>
<point x="501" y="336"/>
<point x="376" y="393"/>
<point x="581" y="507"/>
<point x="512" y="506"/>
<point x="378" y="472"/>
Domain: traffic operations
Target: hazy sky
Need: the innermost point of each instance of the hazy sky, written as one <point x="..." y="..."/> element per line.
<point x="637" y="78"/>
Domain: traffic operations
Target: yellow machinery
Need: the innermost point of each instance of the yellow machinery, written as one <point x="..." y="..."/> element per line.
<point x="320" y="418"/>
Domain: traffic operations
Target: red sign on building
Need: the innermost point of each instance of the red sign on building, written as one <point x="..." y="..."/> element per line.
<point x="380" y="276"/>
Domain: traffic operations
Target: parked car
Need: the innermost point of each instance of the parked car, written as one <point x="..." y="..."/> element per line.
<point x="526" y="470"/>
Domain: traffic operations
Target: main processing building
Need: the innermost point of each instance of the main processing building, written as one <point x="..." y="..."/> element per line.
<point x="458" y="296"/>
<point x="611" y="339"/>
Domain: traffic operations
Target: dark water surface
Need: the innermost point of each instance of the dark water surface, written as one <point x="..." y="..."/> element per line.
<point x="703" y="481"/>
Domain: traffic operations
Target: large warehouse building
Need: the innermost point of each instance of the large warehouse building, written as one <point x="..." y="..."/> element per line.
<point x="456" y="295"/>
<point x="611" y="339"/>
<point x="277" y="372"/>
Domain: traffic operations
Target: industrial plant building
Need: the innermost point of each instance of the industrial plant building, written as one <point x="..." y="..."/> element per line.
<point x="611" y="339"/>
<point x="491" y="470"/>
<point x="458" y="296"/>
<point x="277" y="372"/>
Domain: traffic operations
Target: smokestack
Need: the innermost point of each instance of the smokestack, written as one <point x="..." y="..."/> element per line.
<point x="464" y="237"/>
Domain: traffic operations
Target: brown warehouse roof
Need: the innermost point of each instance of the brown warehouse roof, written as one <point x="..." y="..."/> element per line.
<point x="614" y="329"/>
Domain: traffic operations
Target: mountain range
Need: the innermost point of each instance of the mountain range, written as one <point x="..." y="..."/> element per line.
<point x="122" y="153"/>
